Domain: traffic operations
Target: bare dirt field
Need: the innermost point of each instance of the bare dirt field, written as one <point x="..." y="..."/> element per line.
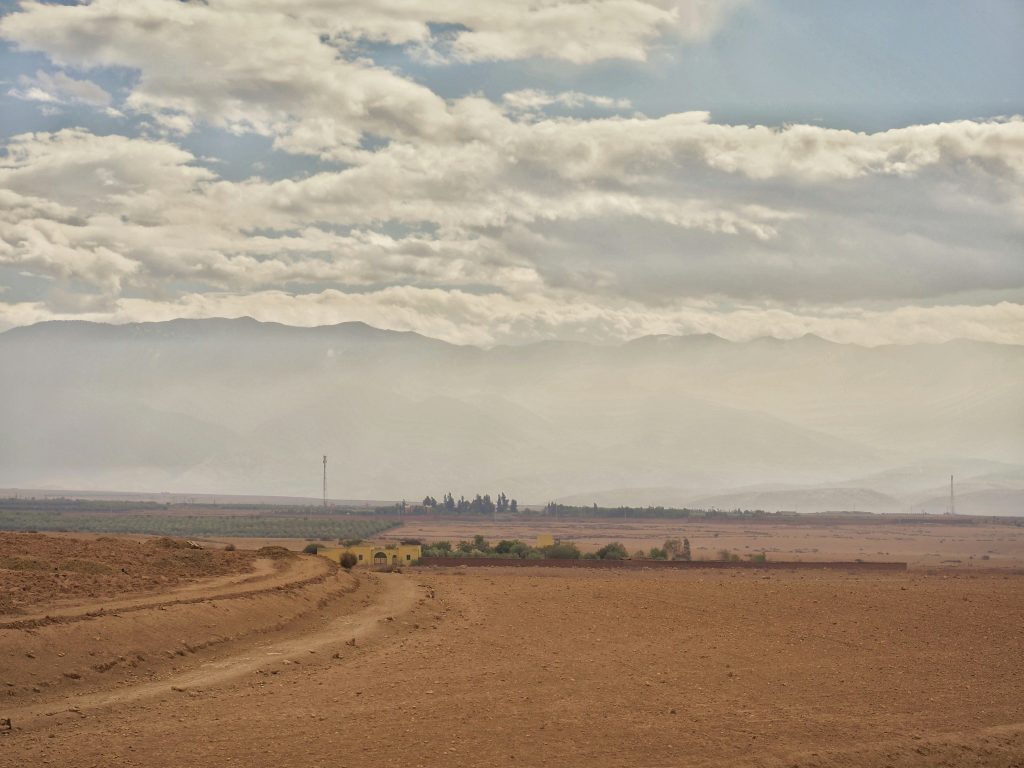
<point x="298" y="664"/>
<point x="924" y="544"/>
<point x="40" y="571"/>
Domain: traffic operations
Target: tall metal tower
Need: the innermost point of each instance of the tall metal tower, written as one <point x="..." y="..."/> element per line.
<point x="952" y="504"/>
<point x="325" y="482"/>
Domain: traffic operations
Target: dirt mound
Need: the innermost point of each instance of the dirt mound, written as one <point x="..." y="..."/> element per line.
<point x="166" y="542"/>
<point x="36" y="569"/>
<point x="275" y="553"/>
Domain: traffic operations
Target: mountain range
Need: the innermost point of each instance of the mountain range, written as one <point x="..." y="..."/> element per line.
<point x="239" y="406"/>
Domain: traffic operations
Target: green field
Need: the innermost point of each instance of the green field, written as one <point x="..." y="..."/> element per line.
<point x="263" y="526"/>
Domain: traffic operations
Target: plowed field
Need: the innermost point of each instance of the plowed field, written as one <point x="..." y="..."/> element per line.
<point x="530" y="667"/>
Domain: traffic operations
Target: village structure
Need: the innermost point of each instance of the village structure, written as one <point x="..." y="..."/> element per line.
<point x="375" y="555"/>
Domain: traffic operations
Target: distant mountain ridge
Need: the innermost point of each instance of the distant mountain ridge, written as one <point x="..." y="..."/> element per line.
<point x="240" y="406"/>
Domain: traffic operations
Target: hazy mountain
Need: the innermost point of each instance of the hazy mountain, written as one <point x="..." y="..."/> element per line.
<point x="238" y="406"/>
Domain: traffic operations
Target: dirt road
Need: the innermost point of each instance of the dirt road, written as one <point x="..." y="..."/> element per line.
<point x="537" y="667"/>
<point x="393" y="596"/>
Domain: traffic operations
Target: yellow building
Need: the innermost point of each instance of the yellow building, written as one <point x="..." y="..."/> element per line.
<point x="377" y="555"/>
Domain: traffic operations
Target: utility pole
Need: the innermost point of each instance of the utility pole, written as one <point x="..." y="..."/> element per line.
<point x="325" y="482"/>
<point x="952" y="504"/>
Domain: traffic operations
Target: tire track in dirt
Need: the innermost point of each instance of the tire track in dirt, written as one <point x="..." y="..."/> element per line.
<point x="397" y="596"/>
<point x="264" y="578"/>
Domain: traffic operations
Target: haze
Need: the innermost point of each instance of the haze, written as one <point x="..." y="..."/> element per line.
<point x="237" y="406"/>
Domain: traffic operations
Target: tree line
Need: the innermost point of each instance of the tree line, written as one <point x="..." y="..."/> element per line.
<point x="478" y="546"/>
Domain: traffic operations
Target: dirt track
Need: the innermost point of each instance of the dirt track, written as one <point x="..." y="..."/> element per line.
<point x="542" y="667"/>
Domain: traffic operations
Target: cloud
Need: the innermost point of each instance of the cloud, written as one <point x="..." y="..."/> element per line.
<point x="532" y="100"/>
<point x="276" y="77"/>
<point x="495" y="318"/>
<point x="462" y="197"/>
<point x="59" y="87"/>
<point x="507" y="212"/>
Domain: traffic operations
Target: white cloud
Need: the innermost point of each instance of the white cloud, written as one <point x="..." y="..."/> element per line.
<point x="496" y="318"/>
<point x="590" y="223"/>
<point x="59" y="87"/>
<point x="532" y="100"/>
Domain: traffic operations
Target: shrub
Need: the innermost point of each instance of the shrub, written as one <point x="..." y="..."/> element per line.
<point x="521" y="549"/>
<point x="724" y="554"/>
<point x="562" y="551"/>
<point x="310" y="549"/>
<point x="347" y="560"/>
<point x="613" y="551"/>
<point x="229" y="547"/>
<point x="657" y="554"/>
<point x="759" y="557"/>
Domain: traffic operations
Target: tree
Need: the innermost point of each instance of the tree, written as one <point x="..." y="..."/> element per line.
<point x="673" y="548"/>
<point x="449" y="502"/>
<point x="685" y="555"/>
<point x="613" y="551"/>
<point x="514" y="506"/>
<point x="658" y="554"/>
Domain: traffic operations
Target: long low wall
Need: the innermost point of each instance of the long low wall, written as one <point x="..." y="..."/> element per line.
<point x="515" y="562"/>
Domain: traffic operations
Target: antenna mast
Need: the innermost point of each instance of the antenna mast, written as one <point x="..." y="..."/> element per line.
<point x="325" y="482"/>
<point x="952" y="505"/>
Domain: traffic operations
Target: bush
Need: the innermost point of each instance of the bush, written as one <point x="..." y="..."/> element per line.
<point x="310" y="549"/>
<point x="657" y="554"/>
<point x="562" y="551"/>
<point x="521" y="549"/>
<point x="759" y="557"/>
<point x="347" y="560"/>
<point x="613" y="551"/>
<point x="229" y="547"/>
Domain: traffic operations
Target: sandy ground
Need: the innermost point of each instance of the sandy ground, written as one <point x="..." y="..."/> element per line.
<point x="920" y="545"/>
<point x="538" y="667"/>
<point x="39" y="572"/>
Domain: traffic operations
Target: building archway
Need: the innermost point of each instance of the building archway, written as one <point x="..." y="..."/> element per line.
<point x="380" y="558"/>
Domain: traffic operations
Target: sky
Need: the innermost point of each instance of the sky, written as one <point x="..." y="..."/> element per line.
<point x="508" y="172"/>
